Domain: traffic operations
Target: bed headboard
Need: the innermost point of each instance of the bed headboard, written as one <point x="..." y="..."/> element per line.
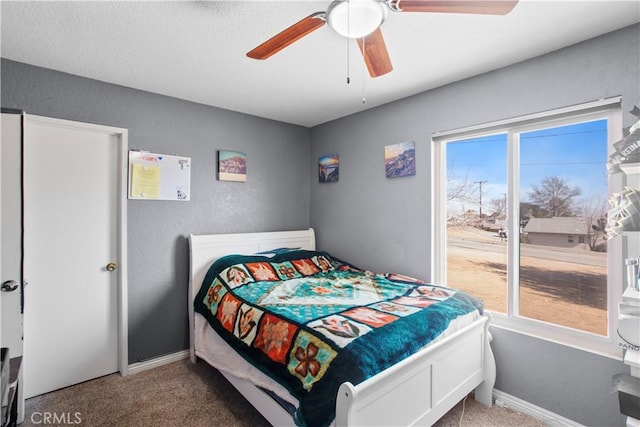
<point x="206" y="248"/>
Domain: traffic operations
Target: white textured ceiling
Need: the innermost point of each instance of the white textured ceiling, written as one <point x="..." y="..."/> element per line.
<point x="195" y="50"/>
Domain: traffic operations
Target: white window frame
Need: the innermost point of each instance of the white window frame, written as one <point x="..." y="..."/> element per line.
<point x="609" y="109"/>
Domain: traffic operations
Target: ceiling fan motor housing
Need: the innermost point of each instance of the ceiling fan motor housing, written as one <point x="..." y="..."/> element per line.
<point x="356" y="18"/>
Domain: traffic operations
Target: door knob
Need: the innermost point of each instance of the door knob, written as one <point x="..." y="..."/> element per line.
<point x="9" y="286"/>
<point x="111" y="266"/>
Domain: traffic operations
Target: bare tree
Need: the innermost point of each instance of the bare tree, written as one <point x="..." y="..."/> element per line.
<point x="460" y="189"/>
<point x="529" y="210"/>
<point x="498" y="207"/>
<point x="459" y="192"/>
<point x="594" y="212"/>
<point x="555" y="196"/>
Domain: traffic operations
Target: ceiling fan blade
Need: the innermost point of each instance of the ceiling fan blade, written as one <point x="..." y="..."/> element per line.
<point x="288" y="36"/>
<point x="485" y="7"/>
<point x="375" y="54"/>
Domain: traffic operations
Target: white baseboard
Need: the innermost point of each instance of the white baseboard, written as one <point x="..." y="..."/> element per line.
<point x="515" y="404"/>
<point x="134" y="368"/>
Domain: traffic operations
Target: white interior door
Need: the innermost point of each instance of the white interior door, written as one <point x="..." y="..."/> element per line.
<point x="72" y="200"/>
<point x="11" y="330"/>
<point x="11" y="232"/>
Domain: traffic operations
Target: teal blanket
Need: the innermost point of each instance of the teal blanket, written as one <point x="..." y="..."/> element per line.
<point x="311" y="321"/>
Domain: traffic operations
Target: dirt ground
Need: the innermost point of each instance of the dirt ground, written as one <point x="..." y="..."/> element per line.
<point x="565" y="293"/>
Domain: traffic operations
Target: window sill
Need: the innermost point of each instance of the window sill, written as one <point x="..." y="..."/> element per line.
<point x="602" y="346"/>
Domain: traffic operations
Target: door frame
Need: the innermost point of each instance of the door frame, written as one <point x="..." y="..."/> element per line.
<point x="121" y="212"/>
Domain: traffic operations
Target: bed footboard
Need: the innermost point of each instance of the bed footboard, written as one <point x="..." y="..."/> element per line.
<point x="484" y="392"/>
<point x="425" y="386"/>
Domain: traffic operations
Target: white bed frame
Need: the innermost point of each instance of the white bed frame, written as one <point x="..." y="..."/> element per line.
<point x="417" y="391"/>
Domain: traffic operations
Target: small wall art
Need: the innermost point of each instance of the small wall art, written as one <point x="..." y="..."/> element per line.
<point x="400" y="159"/>
<point x="329" y="168"/>
<point x="232" y="166"/>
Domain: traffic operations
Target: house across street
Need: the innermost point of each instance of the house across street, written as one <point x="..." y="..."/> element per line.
<point x="562" y="232"/>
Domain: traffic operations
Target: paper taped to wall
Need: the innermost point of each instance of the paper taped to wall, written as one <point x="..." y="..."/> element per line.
<point x="145" y="181"/>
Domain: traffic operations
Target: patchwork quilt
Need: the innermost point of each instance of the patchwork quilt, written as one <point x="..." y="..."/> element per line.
<point x="311" y="321"/>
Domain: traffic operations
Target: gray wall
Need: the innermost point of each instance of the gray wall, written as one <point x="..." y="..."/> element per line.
<point x="275" y="196"/>
<point x="384" y="224"/>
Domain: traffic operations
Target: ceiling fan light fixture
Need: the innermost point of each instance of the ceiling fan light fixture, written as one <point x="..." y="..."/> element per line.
<point x="356" y="18"/>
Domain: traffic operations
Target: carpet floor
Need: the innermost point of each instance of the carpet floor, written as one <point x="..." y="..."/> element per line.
<point x="184" y="394"/>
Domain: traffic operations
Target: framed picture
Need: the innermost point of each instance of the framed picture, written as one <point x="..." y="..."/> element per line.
<point x="328" y="168"/>
<point x="400" y="159"/>
<point x="232" y="166"/>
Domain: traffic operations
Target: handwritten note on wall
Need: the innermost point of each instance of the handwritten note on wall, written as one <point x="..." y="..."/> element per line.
<point x="159" y="176"/>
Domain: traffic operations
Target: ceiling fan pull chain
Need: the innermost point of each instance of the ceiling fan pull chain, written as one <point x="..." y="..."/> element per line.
<point x="363" y="67"/>
<point x="347" y="40"/>
<point x="348" y="62"/>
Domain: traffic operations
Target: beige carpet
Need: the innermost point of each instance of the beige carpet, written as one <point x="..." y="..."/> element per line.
<point x="183" y="394"/>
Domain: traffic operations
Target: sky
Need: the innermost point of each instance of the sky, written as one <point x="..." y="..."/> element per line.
<point x="576" y="153"/>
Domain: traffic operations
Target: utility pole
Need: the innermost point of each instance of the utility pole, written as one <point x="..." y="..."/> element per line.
<point x="480" y="184"/>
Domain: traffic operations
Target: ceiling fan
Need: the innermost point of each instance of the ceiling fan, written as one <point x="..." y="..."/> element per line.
<point x="361" y="20"/>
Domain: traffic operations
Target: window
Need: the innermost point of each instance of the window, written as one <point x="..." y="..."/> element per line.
<point x="519" y="221"/>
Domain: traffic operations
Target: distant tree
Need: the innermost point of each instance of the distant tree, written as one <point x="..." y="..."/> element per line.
<point x="498" y="207"/>
<point x="555" y="196"/>
<point x="460" y="189"/>
<point x="529" y="210"/>
<point x="594" y="212"/>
